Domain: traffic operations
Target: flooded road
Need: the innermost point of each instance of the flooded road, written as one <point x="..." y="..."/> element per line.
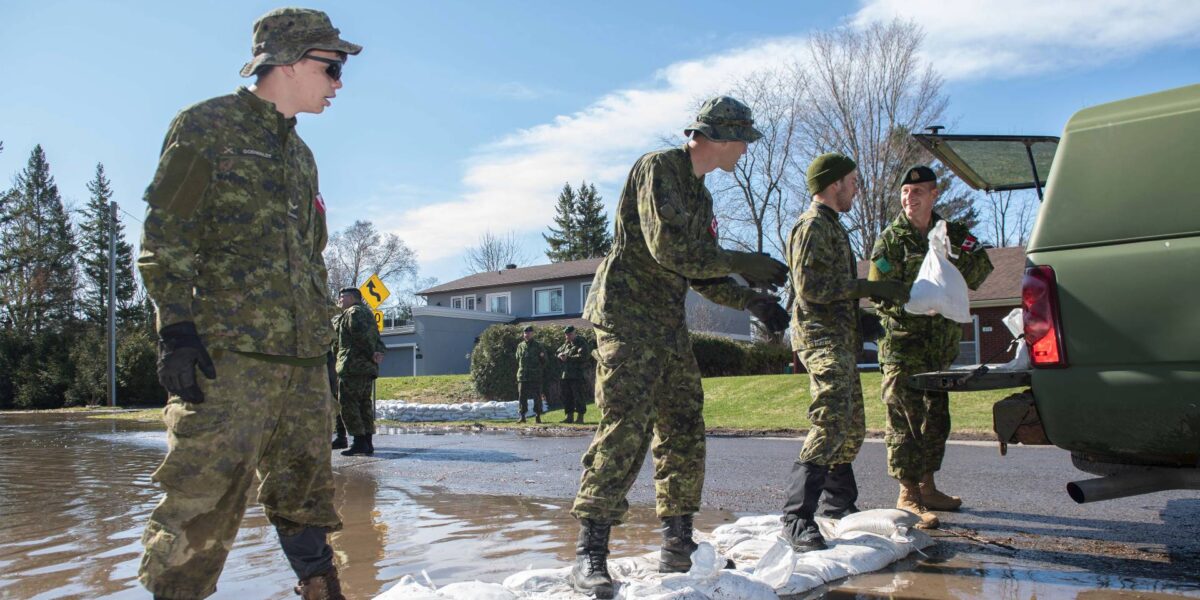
<point x="75" y="493"/>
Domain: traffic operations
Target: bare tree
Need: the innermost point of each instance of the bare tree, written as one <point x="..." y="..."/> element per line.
<point x="494" y="252"/>
<point x="1008" y="217"/>
<point x="868" y="91"/>
<point x="359" y="250"/>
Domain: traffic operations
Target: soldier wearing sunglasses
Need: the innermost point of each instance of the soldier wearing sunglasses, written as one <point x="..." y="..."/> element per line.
<point x="231" y="256"/>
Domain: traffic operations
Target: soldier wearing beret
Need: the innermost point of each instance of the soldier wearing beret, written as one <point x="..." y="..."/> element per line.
<point x="574" y="357"/>
<point x="359" y="351"/>
<point x="918" y="423"/>
<point x="648" y="384"/>
<point x="825" y="334"/>
<point x="231" y="256"/>
<point x="531" y="364"/>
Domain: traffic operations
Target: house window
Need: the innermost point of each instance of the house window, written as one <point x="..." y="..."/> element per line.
<point x="548" y="301"/>
<point x="469" y="303"/>
<point x="456" y="302"/>
<point x="584" y="289"/>
<point x="499" y="303"/>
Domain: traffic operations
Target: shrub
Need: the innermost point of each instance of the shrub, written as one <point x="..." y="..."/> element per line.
<point x="718" y="356"/>
<point x="767" y="359"/>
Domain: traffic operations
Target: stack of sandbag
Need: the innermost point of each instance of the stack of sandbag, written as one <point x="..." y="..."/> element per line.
<point x="399" y="410"/>
<point x="767" y="566"/>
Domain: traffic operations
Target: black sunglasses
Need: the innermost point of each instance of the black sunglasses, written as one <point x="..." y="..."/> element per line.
<point x="334" y="70"/>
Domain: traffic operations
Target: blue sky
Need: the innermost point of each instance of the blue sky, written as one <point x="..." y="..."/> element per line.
<point x="461" y="117"/>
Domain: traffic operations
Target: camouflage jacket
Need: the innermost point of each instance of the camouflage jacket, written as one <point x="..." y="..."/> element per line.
<point x="574" y="355"/>
<point x="665" y="240"/>
<point x="897" y="255"/>
<point x="531" y="361"/>
<point x="357" y="342"/>
<point x="823" y="274"/>
<point x="234" y="230"/>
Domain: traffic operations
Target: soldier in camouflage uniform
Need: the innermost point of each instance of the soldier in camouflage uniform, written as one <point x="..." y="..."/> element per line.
<point x="648" y="384"/>
<point x="531" y="363"/>
<point x="918" y="423"/>
<point x="359" y="352"/>
<point x="825" y="333"/>
<point x="231" y="256"/>
<point x="574" y="357"/>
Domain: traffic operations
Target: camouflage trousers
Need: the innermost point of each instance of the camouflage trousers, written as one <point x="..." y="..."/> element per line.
<point x="354" y="396"/>
<point x="839" y="424"/>
<point x="257" y="416"/>
<point x="918" y="422"/>
<point x="574" y="395"/>
<point x="649" y="397"/>
<point x="529" y="391"/>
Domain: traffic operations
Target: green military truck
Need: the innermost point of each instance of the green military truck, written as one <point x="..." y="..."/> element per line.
<point x="1111" y="292"/>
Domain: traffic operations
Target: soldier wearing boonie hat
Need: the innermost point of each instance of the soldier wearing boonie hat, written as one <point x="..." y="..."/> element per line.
<point x="232" y="257"/>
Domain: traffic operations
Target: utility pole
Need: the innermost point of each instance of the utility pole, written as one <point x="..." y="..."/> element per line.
<point x="112" y="304"/>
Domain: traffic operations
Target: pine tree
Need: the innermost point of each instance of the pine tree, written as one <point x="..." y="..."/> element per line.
<point x="37" y="266"/>
<point x="563" y="241"/>
<point x="97" y="225"/>
<point x="593" y="238"/>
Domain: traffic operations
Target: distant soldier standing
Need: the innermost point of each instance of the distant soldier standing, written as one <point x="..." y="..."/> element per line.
<point x="231" y="256"/>
<point x="531" y="364"/>
<point x="648" y="384"/>
<point x="359" y="352"/>
<point x="918" y="423"/>
<point x="574" y="357"/>
<point x="825" y="333"/>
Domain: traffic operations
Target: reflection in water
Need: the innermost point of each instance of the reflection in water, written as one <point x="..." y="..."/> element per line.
<point x="75" y="494"/>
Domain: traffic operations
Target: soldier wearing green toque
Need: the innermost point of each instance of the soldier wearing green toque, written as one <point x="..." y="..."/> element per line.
<point x="573" y="354"/>
<point x="231" y="256"/>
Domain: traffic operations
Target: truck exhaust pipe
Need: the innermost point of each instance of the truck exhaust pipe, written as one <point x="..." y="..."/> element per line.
<point x="1134" y="483"/>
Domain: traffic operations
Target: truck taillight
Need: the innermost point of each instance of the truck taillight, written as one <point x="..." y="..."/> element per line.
<point x="1043" y="327"/>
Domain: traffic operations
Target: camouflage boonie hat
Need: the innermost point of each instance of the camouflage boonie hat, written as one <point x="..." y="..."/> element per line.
<point x="282" y="36"/>
<point x="725" y="119"/>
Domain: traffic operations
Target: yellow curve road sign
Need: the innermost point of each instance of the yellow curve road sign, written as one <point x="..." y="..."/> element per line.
<point x="374" y="292"/>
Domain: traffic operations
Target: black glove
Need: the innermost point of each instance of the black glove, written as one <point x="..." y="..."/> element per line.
<point x="890" y="290"/>
<point x="870" y="326"/>
<point x="180" y="353"/>
<point x="759" y="270"/>
<point x="766" y="309"/>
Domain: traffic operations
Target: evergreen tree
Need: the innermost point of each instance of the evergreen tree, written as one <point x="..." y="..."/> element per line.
<point x="563" y="240"/>
<point x="37" y="248"/>
<point x="593" y="238"/>
<point x="97" y="225"/>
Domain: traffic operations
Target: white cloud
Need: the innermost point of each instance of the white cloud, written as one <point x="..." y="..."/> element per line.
<point x="969" y="39"/>
<point x="511" y="184"/>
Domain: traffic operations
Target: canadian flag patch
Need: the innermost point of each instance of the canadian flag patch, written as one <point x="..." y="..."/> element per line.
<point x="713" y="227"/>
<point x="969" y="244"/>
<point x="319" y="202"/>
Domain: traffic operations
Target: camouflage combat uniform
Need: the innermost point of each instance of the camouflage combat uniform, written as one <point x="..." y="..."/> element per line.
<point x="647" y="380"/>
<point x="531" y="362"/>
<point x="233" y="238"/>
<point x="825" y="332"/>
<point x="918" y="423"/>
<point x="574" y="380"/>
<point x="356" y="344"/>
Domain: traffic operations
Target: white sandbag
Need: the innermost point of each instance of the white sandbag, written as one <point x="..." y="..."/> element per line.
<point x="751" y="549"/>
<point x="881" y="521"/>
<point x="476" y="590"/>
<point x="706" y="565"/>
<point x="776" y="565"/>
<point x="408" y="589"/>
<point x="656" y="591"/>
<point x="939" y="288"/>
<point x="735" y="585"/>
<point x="1015" y="322"/>
<point x="540" y="581"/>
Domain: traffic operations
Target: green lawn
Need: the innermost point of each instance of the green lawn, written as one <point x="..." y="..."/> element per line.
<point x="756" y="403"/>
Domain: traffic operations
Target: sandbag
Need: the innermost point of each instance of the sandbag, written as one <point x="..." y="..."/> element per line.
<point x="939" y="288"/>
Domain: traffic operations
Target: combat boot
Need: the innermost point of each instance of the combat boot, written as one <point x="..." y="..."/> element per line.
<point x="370" y="445"/>
<point x="522" y="419"/>
<point x="537" y="418"/>
<point x="358" y="447"/>
<point x="678" y="545"/>
<point x="910" y="500"/>
<point x="570" y="417"/>
<point x="590" y="573"/>
<point x="803" y="492"/>
<point x="340" y="441"/>
<point x="935" y="499"/>
<point x="840" y="492"/>
<point x="320" y="587"/>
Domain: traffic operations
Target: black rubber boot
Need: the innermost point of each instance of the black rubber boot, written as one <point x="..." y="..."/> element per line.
<point x="340" y="441"/>
<point x="590" y="573"/>
<point x="370" y="444"/>
<point x="841" y="492"/>
<point x="358" y="448"/>
<point x="804" y="490"/>
<point x="678" y="545"/>
<point x="570" y="417"/>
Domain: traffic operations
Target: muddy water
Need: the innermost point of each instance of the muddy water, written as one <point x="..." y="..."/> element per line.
<point x="75" y="494"/>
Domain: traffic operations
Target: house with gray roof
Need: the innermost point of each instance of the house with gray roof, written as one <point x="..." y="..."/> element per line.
<point x="440" y="336"/>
